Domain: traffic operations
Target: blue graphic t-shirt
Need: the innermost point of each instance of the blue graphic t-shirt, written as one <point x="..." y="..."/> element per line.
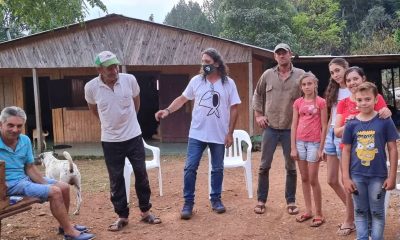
<point x="368" y="140"/>
<point x="16" y="160"/>
<point x="211" y="112"/>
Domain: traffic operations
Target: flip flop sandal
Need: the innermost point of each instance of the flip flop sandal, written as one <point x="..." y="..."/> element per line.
<point x="259" y="209"/>
<point x="316" y="222"/>
<point x="151" y="219"/>
<point x="303" y="217"/>
<point x="345" y="231"/>
<point x="292" y="209"/>
<point x="117" y="225"/>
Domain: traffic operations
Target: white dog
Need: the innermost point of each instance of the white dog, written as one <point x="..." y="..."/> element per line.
<point x="65" y="171"/>
<point x="35" y="137"/>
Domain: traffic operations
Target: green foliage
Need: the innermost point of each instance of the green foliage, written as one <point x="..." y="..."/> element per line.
<point x="317" y="27"/>
<point x="378" y="43"/>
<point x="189" y="16"/>
<point x="34" y="16"/>
<point x="212" y="10"/>
<point x="262" y="23"/>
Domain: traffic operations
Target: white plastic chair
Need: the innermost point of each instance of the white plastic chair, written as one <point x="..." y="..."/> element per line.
<point x="154" y="163"/>
<point x="234" y="158"/>
<point x="387" y="196"/>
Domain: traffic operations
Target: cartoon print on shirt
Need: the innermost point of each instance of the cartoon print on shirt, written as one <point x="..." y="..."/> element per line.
<point x="366" y="149"/>
<point x="210" y="100"/>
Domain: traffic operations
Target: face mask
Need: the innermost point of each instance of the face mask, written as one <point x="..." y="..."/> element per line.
<point x="208" y="68"/>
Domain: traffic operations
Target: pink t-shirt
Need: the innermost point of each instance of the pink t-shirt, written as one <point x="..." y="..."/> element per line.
<point x="309" y="125"/>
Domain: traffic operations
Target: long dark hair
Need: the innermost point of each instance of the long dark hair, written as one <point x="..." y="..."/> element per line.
<point x="332" y="91"/>
<point x="216" y="56"/>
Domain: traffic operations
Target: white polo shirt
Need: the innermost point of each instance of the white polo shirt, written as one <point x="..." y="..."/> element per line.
<point x="116" y="108"/>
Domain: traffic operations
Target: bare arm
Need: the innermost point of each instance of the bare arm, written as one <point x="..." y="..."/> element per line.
<point x="136" y="101"/>
<point x="390" y="182"/>
<point x="93" y="109"/>
<point x="232" y="124"/>
<point x="174" y="106"/>
<point x="34" y="173"/>
<point x="338" y="130"/>
<point x="347" y="182"/>
<point x="324" y="126"/>
<point x="295" y="120"/>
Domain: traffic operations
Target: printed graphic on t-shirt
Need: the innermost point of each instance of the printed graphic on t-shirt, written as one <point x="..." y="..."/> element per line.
<point x="366" y="149"/>
<point x="309" y="110"/>
<point x="211" y="100"/>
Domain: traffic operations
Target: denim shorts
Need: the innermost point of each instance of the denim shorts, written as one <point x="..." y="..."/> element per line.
<point x="332" y="144"/>
<point x="26" y="187"/>
<point x="308" y="151"/>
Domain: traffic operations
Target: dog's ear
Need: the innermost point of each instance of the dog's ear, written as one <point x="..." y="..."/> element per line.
<point x="55" y="154"/>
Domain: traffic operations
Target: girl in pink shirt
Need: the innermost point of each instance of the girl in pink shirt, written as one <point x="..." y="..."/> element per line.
<point x="307" y="143"/>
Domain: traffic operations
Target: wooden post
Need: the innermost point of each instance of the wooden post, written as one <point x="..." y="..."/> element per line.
<point x="38" y="112"/>
<point x="251" y="112"/>
<point x="3" y="187"/>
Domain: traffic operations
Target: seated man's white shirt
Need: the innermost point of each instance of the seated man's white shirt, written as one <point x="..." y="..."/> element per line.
<point x="212" y="103"/>
<point x="116" y="108"/>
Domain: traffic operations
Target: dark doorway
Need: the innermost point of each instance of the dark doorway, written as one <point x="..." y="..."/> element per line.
<point x="46" y="114"/>
<point x="148" y="103"/>
<point x="175" y="128"/>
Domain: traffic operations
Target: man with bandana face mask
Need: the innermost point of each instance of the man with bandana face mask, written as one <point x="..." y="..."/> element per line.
<point x="214" y="116"/>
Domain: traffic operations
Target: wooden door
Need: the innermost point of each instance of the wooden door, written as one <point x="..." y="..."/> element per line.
<point x="175" y="128"/>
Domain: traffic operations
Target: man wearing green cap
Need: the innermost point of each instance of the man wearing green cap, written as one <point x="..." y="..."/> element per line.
<point x="113" y="97"/>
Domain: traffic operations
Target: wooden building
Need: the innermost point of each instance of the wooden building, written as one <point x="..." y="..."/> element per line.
<point x="45" y="74"/>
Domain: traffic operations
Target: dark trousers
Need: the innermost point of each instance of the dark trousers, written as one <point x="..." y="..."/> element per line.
<point x="114" y="154"/>
<point x="271" y="137"/>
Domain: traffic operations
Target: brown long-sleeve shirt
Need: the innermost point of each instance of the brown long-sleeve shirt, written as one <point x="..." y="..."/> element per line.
<point x="277" y="96"/>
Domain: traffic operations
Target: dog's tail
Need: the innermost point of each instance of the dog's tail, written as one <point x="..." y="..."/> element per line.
<point x="69" y="158"/>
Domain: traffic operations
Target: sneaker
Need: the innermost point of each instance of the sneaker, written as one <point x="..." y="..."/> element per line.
<point x="80" y="228"/>
<point x="187" y="211"/>
<point x="82" y="236"/>
<point x="217" y="206"/>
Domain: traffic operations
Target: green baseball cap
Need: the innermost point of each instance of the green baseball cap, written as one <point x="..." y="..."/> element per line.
<point x="105" y="59"/>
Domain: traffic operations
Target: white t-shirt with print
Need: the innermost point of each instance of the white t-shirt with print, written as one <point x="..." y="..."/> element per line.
<point x="116" y="108"/>
<point x="211" y="112"/>
<point x="342" y="94"/>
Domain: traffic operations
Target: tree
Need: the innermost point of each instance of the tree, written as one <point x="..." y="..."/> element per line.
<point x="43" y="15"/>
<point x="212" y="10"/>
<point x="262" y="23"/>
<point x="317" y="28"/>
<point x="377" y="35"/>
<point x="188" y="16"/>
<point x="151" y="18"/>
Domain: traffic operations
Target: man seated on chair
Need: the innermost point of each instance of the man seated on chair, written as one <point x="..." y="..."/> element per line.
<point x="23" y="178"/>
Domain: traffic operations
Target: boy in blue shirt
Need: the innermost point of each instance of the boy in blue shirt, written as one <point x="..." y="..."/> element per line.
<point x="365" y="173"/>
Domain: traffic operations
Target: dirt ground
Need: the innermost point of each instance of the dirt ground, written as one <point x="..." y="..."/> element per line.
<point x="239" y="222"/>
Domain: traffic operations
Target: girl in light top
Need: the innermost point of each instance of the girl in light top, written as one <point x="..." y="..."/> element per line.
<point x="335" y="92"/>
<point x="307" y="143"/>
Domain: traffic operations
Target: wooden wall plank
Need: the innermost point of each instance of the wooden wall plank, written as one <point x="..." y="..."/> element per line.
<point x="135" y="43"/>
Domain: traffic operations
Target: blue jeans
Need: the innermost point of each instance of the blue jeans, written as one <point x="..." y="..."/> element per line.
<point x="369" y="203"/>
<point x="194" y="153"/>
<point x="271" y="137"/>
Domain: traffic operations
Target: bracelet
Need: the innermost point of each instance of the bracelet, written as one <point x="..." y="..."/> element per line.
<point x="169" y="111"/>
